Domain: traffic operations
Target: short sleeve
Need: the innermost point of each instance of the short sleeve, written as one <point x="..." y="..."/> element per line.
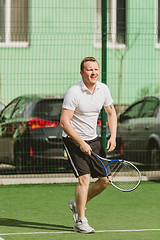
<point x="108" y="99"/>
<point x="70" y="101"/>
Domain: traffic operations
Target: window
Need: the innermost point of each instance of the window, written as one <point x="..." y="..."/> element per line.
<point x="116" y="24"/>
<point x="49" y="109"/>
<point x="19" y="110"/>
<point x="149" y="108"/>
<point x="132" y="112"/>
<point x="7" y="112"/>
<point x="157" y="23"/>
<point x="14" y="23"/>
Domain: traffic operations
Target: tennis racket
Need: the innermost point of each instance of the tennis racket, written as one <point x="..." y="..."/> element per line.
<point x="122" y="174"/>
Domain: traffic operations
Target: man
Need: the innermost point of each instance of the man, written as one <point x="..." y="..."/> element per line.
<point x="80" y="110"/>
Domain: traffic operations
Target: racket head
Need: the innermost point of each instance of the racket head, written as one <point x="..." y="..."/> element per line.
<point x="122" y="174"/>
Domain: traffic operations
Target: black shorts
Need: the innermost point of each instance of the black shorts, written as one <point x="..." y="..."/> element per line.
<point x="83" y="164"/>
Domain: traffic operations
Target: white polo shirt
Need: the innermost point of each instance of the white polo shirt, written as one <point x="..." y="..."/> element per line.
<point x="86" y="107"/>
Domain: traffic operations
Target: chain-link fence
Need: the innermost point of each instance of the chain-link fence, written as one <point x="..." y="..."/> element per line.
<point x="41" y="46"/>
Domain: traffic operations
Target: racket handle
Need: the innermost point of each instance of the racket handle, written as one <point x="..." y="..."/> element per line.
<point x="94" y="154"/>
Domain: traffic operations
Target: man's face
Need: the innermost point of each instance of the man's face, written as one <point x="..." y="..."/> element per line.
<point x="90" y="73"/>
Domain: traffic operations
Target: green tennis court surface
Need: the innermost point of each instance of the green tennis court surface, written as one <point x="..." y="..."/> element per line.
<point x="31" y="212"/>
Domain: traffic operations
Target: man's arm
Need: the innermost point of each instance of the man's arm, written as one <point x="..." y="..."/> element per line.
<point x="112" y="120"/>
<point x="66" y="116"/>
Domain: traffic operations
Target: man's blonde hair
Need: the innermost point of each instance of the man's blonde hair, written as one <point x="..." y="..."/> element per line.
<point x="87" y="59"/>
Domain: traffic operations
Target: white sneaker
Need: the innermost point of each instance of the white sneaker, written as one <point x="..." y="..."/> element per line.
<point x="82" y="226"/>
<point x="72" y="205"/>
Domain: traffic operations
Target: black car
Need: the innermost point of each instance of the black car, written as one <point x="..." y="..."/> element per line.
<point x="139" y="128"/>
<point x="31" y="136"/>
<point x="30" y="133"/>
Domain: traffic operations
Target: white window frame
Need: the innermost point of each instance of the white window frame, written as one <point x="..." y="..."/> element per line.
<point x="157" y="44"/>
<point x="111" y="43"/>
<point x="8" y="43"/>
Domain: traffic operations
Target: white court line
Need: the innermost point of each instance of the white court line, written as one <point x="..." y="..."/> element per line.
<point x="1" y="238"/>
<point x="99" y="231"/>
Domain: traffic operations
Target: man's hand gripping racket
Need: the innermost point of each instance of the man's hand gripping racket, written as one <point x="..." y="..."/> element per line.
<point x="122" y="174"/>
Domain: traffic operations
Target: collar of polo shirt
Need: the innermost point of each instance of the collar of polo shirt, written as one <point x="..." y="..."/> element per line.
<point x="86" y="89"/>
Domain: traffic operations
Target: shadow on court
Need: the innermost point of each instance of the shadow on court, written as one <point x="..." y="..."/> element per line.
<point x="34" y="225"/>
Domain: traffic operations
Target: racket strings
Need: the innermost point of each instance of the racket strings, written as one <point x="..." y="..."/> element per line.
<point x="116" y="166"/>
<point x="124" y="175"/>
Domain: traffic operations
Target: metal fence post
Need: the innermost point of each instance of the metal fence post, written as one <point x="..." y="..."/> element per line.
<point x="104" y="68"/>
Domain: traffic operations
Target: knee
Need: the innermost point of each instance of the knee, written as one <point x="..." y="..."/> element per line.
<point x="84" y="180"/>
<point x="104" y="182"/>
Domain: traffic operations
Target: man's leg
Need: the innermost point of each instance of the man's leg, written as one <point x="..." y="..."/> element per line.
<point x="81" y="194"/>
<point x="97" y="187"/>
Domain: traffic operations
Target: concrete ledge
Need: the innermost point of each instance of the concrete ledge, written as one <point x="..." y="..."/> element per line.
<point x="48" y="178"/>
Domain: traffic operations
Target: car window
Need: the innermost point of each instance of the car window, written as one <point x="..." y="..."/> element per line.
<point x="1" y="106"/>
<point x="49" y="109"/>
<point x="7" y="112"/>
<point x="149" y="107"/>
<point x="132" y="112"/>
<point x="19" y="110"/>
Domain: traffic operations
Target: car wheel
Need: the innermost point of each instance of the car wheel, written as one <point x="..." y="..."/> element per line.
<point x="154" y="157"/>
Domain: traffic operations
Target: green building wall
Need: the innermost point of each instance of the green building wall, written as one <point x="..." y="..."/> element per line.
<point x="62" y="34"/>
